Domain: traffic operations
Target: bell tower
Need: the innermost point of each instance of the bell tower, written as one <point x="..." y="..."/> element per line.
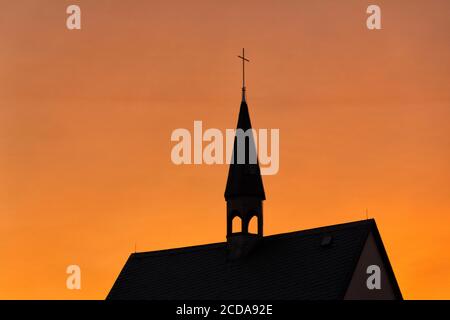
<point x="244" y="192"/>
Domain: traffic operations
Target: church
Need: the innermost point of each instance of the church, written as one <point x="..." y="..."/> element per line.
<point x="338" y="262"/>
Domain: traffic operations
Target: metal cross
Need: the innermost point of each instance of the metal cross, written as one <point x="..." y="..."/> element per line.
<point x="244" y="59"/>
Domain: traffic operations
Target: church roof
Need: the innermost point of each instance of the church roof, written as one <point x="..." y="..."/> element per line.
<point x="311" y="264"/>
<point x="244" y="179"/>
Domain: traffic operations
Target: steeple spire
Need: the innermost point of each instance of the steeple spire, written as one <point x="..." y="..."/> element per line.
<point x="244" y="192"/>
<point x="244" y="179"/>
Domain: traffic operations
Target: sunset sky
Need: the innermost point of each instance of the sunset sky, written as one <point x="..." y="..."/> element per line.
<point x="86" y="118"/>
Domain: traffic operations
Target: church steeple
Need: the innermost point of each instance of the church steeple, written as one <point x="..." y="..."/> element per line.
<point x="244" y="191"/>
<point x="244" y="179"/>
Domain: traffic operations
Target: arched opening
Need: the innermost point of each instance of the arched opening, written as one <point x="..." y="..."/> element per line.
<point x="253" y="225"/>
<point x="236" y="225"/>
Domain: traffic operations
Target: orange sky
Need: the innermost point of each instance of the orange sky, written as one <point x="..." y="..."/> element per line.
<point x="86" y="118"/>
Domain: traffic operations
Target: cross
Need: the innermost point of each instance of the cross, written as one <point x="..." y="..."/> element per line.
<point x="243" y="67"/>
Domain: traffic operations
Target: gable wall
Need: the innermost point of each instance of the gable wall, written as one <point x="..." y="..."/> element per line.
<point x="357" y="289"/>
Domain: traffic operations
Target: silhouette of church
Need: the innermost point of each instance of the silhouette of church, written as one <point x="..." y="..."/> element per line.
<point x="344" y="261"/>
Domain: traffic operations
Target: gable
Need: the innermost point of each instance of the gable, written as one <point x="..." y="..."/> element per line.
<point x="358" y="288"/>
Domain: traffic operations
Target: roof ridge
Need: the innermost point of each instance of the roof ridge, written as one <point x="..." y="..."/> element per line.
<point x="198" y="247"/>
<point x="176" y="250"/>
<point x="324" y="228"/>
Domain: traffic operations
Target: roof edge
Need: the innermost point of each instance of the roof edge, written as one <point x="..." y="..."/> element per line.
<point x="384" y="257"/>
<point x="386" y="261"/>
<point x="370" y="222"/>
